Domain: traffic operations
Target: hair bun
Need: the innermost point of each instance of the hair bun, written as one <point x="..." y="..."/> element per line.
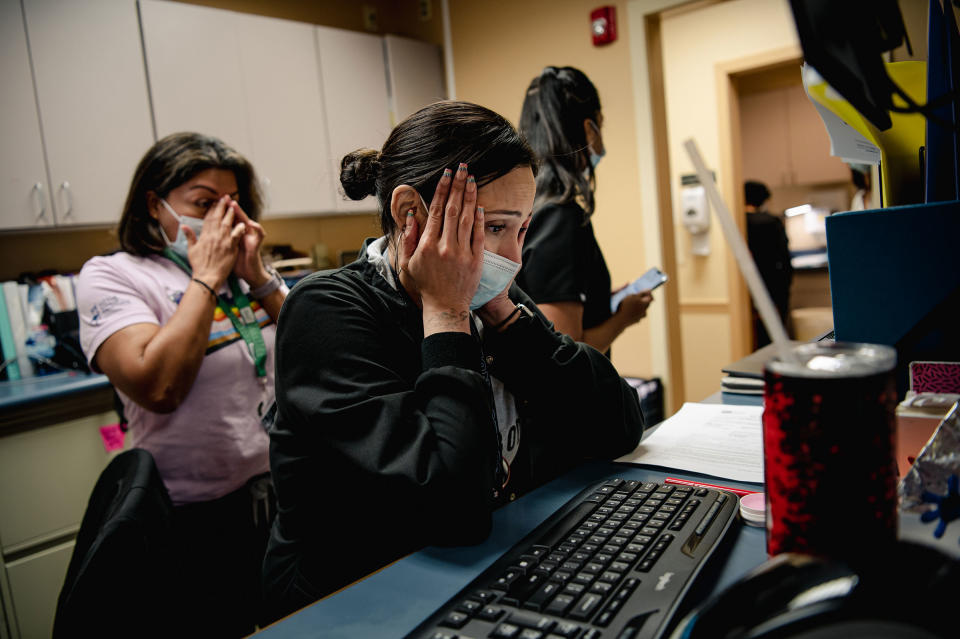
<point x="359" y="171"/>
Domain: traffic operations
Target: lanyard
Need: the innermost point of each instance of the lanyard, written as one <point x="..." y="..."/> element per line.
<point x="246" y="324"/>
<point x="500" y="475"/>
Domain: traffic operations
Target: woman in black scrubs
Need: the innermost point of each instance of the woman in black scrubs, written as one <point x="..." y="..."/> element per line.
<point x="563" y="267"/>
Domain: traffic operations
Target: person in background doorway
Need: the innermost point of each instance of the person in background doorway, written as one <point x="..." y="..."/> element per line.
<point x="860" y="176"/>
<point x="182" y="322"/>
<point x="563" y="267"/>
<point x="418" y="388"/>
<point x="767" y="239"/>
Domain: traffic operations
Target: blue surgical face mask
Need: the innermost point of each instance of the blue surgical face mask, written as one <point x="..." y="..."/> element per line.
<point x="180" y="245"/>
<point x="595" y="157"/>
<point x="496" y="274"/>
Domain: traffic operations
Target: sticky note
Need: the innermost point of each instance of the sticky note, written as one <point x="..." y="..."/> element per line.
<point x="112" y="436"/>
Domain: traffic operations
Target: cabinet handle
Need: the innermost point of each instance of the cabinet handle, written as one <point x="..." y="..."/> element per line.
<point x="265" y="184"/>
<point x="65" y="188"/>
<point x="39" y="202"/>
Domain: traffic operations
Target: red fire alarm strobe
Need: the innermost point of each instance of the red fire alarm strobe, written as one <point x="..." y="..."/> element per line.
<point x="603" y="25"/>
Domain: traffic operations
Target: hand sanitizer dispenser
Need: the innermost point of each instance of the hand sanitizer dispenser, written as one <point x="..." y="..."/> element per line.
<point x="695" y="214"/>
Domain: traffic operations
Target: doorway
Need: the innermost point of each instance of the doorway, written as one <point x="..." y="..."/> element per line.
<point x="779" y="140"/>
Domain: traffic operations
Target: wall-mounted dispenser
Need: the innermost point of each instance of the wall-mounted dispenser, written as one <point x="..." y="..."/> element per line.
<point x="695" y="214"/>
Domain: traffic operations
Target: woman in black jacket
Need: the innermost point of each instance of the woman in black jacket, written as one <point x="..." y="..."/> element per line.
<point x="417" y="389"/>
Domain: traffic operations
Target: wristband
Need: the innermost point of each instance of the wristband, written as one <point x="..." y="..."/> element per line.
<point x="509" y="317"/>
<point x="271" y="285"/>
<point x="206" y="286"/>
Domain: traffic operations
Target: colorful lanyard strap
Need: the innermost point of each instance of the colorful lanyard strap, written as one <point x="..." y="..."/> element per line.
<point x="246" y="324"/>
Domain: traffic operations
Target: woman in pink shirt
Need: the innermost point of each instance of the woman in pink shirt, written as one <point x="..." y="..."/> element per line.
<point x="182" y="321"/>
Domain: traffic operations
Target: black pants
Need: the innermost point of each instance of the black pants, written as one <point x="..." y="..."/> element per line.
<point x="221" y="545"/>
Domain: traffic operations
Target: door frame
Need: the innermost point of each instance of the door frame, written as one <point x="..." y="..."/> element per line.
<point x="731" y="175"/>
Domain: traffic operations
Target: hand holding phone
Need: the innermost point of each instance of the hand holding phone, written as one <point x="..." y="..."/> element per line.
<point x="646" y="282"/>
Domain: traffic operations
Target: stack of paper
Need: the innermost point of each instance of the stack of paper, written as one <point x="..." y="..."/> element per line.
<point x="713" y="439"/>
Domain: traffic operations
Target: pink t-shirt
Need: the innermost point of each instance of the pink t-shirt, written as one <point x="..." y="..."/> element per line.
<point x="213" y="443"/>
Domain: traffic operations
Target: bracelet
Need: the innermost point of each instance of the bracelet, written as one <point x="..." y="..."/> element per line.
<point x="206" y="286"/>
<point x="269" y="286"/>
<point x="509" y="317"/>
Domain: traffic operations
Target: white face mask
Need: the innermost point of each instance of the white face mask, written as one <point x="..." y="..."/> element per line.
<point x="496" y="274"/>
<point x="180" y="245"/>
<point x="595" y="157"/>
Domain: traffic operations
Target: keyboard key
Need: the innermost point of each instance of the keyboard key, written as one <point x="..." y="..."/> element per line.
<point x="503" y="582"/>
<point x="560" y="604"/>
<point x="611" y="577"/>
<point x="484" y="596"/>
<point x="506" y="631"/>
<point x="539" y="599"/>
<point x="604" y="618"/>
<point x="530" y="633"/>
<point x="601" y="588"/>
<point x="455" y="620"/>
<point x="469" y="606"/>
<point x="490" y="613"/>
<point x="439" y="634"/>
<point x="586" y="606"/>
<point x="566" y="629"/>
<point x="531" y="620"/>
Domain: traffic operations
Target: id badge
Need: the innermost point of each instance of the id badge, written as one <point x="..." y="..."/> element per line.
<point x="246" y="314"/>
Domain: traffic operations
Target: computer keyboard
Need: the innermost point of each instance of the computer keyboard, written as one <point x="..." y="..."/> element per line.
<point x="613" y="562"/>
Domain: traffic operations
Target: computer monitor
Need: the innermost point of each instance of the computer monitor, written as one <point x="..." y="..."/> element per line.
<point x="843" y="40"/>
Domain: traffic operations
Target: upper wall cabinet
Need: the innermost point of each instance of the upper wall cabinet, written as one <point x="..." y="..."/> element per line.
<point x="24" y="198"/>
<point x="416" y="75"/>
<point x="251" y="81"/>
<point x="355" y="100"/>
<point x="784" y="140"/>
<point x="91" y="106"/>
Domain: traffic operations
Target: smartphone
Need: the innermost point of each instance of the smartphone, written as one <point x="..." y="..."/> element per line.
<point x="646" y="282"/>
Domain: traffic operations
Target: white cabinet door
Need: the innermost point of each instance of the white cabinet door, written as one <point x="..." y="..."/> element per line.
<point x="24" y="201"/>
<point x="288" y="134"/>
<point x="92" y="91"/>
<point x="355" y="100"/>
<point x="196" y="80"/>
<point x="35" y="583"/>
<point x="416" y="75"/>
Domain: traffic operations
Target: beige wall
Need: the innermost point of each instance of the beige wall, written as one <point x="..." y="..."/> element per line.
<point x="695" y="43"/>
<point x="498" y="47"/>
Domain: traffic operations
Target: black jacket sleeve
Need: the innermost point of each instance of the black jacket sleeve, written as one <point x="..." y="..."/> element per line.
<point x="582" y="407"/>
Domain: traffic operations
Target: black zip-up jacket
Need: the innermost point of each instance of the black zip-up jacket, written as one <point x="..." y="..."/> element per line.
<point x="384" y="441"/>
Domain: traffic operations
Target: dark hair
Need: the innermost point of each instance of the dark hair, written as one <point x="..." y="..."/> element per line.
<point x="169" y="163"/>
<point x="436" y="137"/>
<point x="859" y="178"/>
<point x="556" y="104"/>
<point x="755" y="193"/>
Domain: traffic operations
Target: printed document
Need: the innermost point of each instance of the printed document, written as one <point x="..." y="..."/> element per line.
<point x="713" y="439"/>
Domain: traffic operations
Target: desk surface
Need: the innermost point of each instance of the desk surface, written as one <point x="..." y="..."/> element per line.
<point x="391" y="602"/>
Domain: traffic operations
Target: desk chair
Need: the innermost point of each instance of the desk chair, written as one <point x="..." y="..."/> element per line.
<point x="123" y="575"/>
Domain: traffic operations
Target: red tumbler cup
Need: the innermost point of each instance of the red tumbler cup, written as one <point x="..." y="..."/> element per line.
<point x="829" y="433"/>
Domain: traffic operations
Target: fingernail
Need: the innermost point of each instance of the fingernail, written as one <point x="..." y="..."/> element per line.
<point x="447" y="173"/>
<point x="411" y="212"/>
<point x="479" y="211"/>
<point x="471" y="179"/>
<point x="462" y="167"/>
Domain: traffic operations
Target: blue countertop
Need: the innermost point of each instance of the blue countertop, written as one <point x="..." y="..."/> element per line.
<point x="36" y="389"/>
